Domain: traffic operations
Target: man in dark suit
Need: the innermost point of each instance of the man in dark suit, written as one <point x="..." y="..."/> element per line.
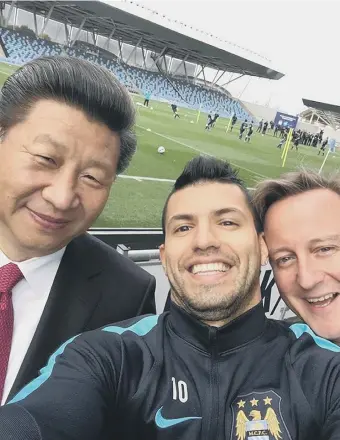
<point x="65" y="135"/>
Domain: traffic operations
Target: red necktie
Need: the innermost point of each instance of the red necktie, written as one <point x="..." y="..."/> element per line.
<point x="10" y="275"/>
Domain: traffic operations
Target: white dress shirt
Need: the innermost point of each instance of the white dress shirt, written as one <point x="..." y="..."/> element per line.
<point x="29" y="298"/>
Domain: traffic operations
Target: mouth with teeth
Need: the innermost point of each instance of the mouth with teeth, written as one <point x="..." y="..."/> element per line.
<point x="322" y="301"/>
<point x="210" y="271"/>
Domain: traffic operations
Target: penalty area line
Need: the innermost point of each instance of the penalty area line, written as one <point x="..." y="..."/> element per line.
<point x="200" y="151"/>
<point x="153" y="179"/>
<point x="141" y="178"/>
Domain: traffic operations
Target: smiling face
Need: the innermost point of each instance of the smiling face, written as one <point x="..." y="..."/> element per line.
<point x="212" y="252"/>
<point x="56" y="171"/>
<point x="303" y="237"/>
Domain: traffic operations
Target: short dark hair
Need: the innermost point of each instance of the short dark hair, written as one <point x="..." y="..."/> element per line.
<point x="79" y="83"/>
<point x="209" y="169"/>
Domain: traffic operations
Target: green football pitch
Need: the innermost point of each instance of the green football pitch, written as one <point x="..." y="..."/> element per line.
<point x="137" y="198"/>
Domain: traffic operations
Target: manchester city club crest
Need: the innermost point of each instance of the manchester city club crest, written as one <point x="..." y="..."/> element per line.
<point x="257" y="416"/>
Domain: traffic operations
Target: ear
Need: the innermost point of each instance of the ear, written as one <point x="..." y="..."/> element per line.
<point x="162" y="257"/>
<point x="263" y="250"/>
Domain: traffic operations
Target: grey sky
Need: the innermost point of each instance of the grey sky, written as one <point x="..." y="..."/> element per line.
<point x="301" y="37"/>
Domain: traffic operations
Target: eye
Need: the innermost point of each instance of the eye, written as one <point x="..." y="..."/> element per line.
<point x="92" y="179"/>
<point x="228" y="223"/>
<point x="88" y="176"/>
<point x="283" y="261"/>
<point x="183" y="228"/>
<point x="46" y="159"/>
<point x="326" y="250"/>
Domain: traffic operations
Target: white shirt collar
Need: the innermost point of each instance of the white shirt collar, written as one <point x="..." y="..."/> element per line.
<point x="31" y="269"/>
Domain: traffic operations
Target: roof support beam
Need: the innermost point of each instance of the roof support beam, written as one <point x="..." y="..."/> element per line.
<point x="185" y="70"/>
<point x="323" y="120"/>
<point x="94" y="38"/>
<point x="35" y="22"/>
<point x="163" y="52"/>
<point x="107" y="43"/>
<point x="10" y="12"/>
<point x="213" y="81"/>
<point x="180" y="64"/>
<point x="47" y="19"/>
<point x="143" y="53"/>
<point x="16" y="16"/>
<point x="67" y="33"/>
<point x="134" y="50"/>
<point x="244" y="89"/>
<point x="170" y="64"/>
<point x="205" y="81"/>
<point x="328" y="116"/>
<point x="120" y="49"/>
<point x="78" y="31"/>
<point x="232" y="80"/>
<point x="200" y="71"/>
<point x="231" y="76"/>
<point x="219" y="78"/>
<point x="166" y="65"/>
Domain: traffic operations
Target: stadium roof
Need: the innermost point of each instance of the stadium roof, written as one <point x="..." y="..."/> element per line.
<point x="103" y="18"/>
<point x="329" y="113"/>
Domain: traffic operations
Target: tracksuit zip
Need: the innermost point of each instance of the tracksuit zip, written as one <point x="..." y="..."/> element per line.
<point x="213" y="420"/>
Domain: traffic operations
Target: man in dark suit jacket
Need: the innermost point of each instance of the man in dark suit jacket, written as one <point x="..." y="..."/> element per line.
<point x="66" y="132"/>
<point x="89" y="291"/>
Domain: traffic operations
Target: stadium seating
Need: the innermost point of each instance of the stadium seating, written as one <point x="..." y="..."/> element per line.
<point x="22" y="49"/>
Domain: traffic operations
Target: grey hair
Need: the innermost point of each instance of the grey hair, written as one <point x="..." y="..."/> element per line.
<point x="79" y="83"/>
<point x="271" y="191"/>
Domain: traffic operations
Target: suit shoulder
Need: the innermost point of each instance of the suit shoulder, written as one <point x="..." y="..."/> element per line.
<point x="106" y="256"/>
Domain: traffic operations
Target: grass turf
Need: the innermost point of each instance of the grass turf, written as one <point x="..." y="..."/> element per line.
<point x="138" y="203"/>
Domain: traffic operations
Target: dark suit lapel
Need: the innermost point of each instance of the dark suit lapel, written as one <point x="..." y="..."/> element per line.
<point x="69" y="307"/>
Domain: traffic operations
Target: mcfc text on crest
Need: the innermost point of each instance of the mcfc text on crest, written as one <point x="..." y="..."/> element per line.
<point x="258" y="416"/>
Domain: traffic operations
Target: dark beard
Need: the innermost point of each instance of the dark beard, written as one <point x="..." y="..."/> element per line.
<point x="234" y="305"/>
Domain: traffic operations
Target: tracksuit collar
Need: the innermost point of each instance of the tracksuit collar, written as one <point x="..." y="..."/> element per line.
<point x="238" y="332"/>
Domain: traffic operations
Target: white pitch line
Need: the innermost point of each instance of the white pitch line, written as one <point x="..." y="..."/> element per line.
<point x="202" y="152"/>
<point x="154" y="179"/>
<point x="140" y="178"/>
<point x="7" y="73"/>
<point x="177" y="142"/>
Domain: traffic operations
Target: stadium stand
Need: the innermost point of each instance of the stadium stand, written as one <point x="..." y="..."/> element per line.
<point x="325" y="113"/>
<point x="22" y="48"/>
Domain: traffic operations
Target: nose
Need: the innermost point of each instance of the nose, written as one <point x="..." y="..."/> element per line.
<point x="206" y="237"/>
<point x="62" y="191"/>
<point x="309" y="275"/>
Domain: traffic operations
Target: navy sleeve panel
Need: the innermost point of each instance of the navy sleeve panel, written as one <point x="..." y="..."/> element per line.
<point x="16" y="423"/>
<point x="71" y="397"/>
<point x="331" y="428"/>
<point x="86" y="380"/>
<point x="316" y="363"/>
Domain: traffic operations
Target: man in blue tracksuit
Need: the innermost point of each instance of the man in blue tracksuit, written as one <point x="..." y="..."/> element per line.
<point x="213" y="367"/>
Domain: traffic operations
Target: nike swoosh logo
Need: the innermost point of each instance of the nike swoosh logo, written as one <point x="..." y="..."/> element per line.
<point x="161" y="422"/>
